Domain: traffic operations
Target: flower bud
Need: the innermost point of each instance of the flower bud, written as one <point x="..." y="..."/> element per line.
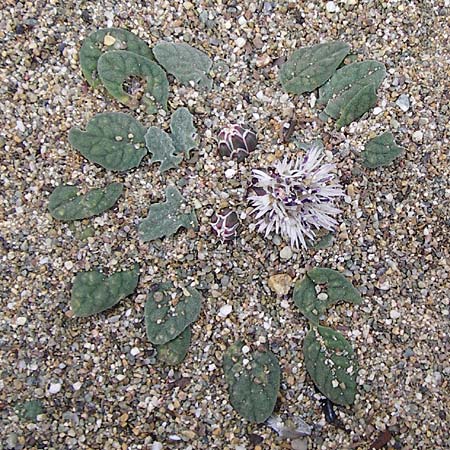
<point x="225" y="224"/>
<point x="237" y="141"/>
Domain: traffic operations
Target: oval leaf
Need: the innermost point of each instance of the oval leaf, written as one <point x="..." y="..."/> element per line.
<point x="164" y="219"/>
<point x="331" y="363"/>
<point x="160" y="145"/>
<point x="93" y="292"/>
<point x="183" y="131"/>
<point x="115" y="67"/>
<point x="310" y="67"/>
<point x="113" y="140"/>
<point x="380" y="151"/>
<point x="168" y="311"/>
<point x="174" y="351"/>
<point x="335" y="288"/>
<point x="186" y="63"/>
<point x="104" y="40"/>
<point x="253" y="382"/>
<point x="66" y="204"/>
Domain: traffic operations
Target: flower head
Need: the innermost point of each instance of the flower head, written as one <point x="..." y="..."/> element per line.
<point x="295" y="198"/>
<point x="237" y="141"/>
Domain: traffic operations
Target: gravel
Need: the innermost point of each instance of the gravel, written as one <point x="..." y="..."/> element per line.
<point x="97" y="378"/>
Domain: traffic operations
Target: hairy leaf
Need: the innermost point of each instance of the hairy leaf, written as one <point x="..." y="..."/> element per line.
<point x="253" y="382"/>
<point x="183" y="131"/>
<point x="164" y="219"/>
<point x="66" y="204"/>
<point x="116" y="66"/>
<point x="104" y="40"/>
<point x="310" y="67"/>
<point x="168" y="311"/>
<point x="186" y="63"/>
<point x="331" y="363"/>
<point x="380" y="151"/>
<point x="160" y="145"/>
<point x="93" y="292"/>
<point x="174" y="351"/>
<point x="113" y="140"/>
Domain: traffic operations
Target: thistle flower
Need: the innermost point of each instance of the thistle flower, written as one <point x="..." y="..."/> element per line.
<point x="295" y="198"/>
<point x="225" y="224"/>
<point x="237" y="141"/>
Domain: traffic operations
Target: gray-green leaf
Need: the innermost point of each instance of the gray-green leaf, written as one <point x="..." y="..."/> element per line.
<point x="66" y="204"/>
<point x="186" y="63"/>
<point x="336" y="288"/>
<point x="331" y="363"/>
<point x="93" y="292"/>
<point x="168" y="311"/>
<point x="252" y="384"/>
<point x="160" y="145"/>
<point x="183" y="131"/>
<point x="380" y="151"/>
<point x="113" y="140"/>
<point x="116" y="66"/>
<point x="310" y="67"/>
<point x="164" y="219"/>
<point x="352" y="87"/>
<point x="104" y="40"/>
<point x="30" y="409"/>
<point x="174" y="351"/>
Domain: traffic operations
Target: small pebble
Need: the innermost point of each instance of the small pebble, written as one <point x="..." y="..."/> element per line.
<point x="245" y="349"/>
<point x="394" y="314"/>
<point x="225" y="310"/>
<point x="417" y="137"/>
<point x="280" y="283"/>
<point x="331" y="7"/>
<point x="54" y="388"/>
<point x="77" y="386"/>
<point x="134" y="351"/>
<point x="286" y="252"/>
<point x="299" y="444"/>
<point x="240" y="42"/>
<point x="20" y="321"/>
<point x="230" y="173"/>
<point x="403" y="102"/>
<point x="68" y="265"/>
<point x="377" y="111"/>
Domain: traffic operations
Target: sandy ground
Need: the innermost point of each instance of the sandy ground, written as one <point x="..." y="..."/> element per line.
<point x="97" y="381"/>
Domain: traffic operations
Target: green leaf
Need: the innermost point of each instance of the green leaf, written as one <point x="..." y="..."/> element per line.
<point x="93" y="292"/>
<point x="336" y="288"/>
<point x="364" y="99"/>
<point x="66" y="204"/>
<point x="350" y="92"/>
<point x="164" y="219"/>
<point x="30" y="409"/>
<point x="104" y="40"/>
<point x="116" y="66"/>
<point x="174" y="351"/>
<point x="169" y="311"/>
<point x="331" y="363"/>
<point x="160" y="145"/>
<point x="253" y="382"/>
<point x="310" y="67"/>
<point x="380" y="151"/>
<point x="113" y="140"/>
<point x="183" y="131"/>
<point x="186" y="63"/>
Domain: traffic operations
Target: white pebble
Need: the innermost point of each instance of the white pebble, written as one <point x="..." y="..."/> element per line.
<point x="134" y="351"/>
<point x="377" y="110"/>
<point x="394" y="314"/>
<point x="286" y="252"/>
<point x="245" y="349"/>
<point x="77" y="386"/>
<point x="225" y="310"/>
<point x="417" y="137"/>
<point x="403" y="102"/>
<point x="331" y="7"/>
<point x="54" y="388"/>
<point x="68" y="265"/>
<point x="20" y="321"/>
<point x="230" y="173"/>
<point x="240" y="42"/>
<point x="312" y="100"/>
<point x="322" y="296"/>
<point x="156" y="446"/>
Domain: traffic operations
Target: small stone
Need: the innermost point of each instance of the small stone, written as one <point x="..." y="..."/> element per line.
<point x="417" y="137"/>
<point x="331" y="7"/>
<point x="377" y="110"/>
<point x="20" y="321"/>
<point x="394" y="314"/>
<point x="322" y="296"/>
<point x="54" y="388"/>
<point x="134" y="351"/>
<point x="299" y="444"/>
<point x="245" y="349"/>
<point x="108" y="40"/>
<point x="225" y="310"/>
<point x="280" y="283"/>
<point x="263" y="60"/>
<point x="230" y="173"/>
<point x="240" y="42"/>
<point x="68" y="265"/>
<point x="286" y="252"/>
<point x="156" y="446"/>
<point x="403" y="102"/>
<point x="77" y="386"/>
